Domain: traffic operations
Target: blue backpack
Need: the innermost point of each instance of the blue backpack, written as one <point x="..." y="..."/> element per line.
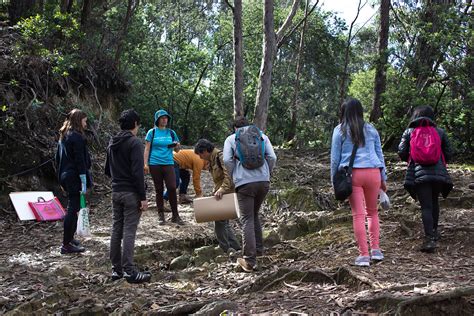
<point x="250" y="146"/>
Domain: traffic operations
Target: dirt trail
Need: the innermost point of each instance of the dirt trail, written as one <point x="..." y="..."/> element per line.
<point x="306" y="267"/>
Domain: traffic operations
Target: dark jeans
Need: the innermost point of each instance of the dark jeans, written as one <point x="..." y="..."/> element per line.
<point x="251" y="197"/>
<point x="225" y="236"/>
<point x="72" y="184"/>
<point x="428" y="194"/>
<point x="182" y="181"/>
<point x="126" y="216"/>
<point x="166" y="174"/>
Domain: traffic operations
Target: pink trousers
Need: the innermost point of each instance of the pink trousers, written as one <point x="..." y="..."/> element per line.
<point x="363" y="200"/>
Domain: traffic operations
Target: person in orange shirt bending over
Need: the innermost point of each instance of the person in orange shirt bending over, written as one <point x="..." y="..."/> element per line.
<point x="186" y="160"/>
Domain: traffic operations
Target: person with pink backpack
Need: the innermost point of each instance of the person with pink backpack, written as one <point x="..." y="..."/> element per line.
<point x="426" y="149"/>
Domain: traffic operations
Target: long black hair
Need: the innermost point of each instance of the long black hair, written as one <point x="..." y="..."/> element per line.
<point x="352" y="119"/>
<point x="423" y="111"/>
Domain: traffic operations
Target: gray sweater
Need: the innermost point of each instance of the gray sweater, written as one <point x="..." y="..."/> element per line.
<point x="241" y="175"/>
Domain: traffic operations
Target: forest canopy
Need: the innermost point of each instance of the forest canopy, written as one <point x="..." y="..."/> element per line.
<point x="180" y="55"/>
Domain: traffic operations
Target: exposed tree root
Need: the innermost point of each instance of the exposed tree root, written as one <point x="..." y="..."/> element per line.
<point x="345" y="275"/>
<point x="454" y="302"/>
<point x="274" y="279"/>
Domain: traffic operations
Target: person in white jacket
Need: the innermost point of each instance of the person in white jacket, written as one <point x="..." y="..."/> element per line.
<point x="251" y="186"/>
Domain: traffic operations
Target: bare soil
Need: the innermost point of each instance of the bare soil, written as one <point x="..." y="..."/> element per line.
<point x="308" y="270"/>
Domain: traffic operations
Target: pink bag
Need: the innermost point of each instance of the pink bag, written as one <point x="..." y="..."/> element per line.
<point x="51" y="210"/>
<point x="425" y="145"/>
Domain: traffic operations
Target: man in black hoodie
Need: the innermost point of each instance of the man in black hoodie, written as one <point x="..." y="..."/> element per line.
<point x="124" y="165"/>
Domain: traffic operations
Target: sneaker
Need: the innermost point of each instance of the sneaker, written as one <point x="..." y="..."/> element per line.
<point x="161" y="218"/>
<point x="244" y="265"/>
<point x="184" y="199"/>
<point x="137" y="277"/>
<point x="362" y="261"/>
<point x="116" y="275"/>
<point x="429" y="245"/>
<point x="70" y="248"/>
<point x="376" y="254"/>
<point x="177" y="220"/>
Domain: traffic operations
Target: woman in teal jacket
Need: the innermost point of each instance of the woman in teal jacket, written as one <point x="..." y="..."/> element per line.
<point x="159" y="146"/>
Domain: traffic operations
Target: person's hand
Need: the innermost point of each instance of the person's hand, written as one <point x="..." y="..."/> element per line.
<point x="383" y="186"/>
<point x="83" y="183"/>
<point x="219" y="194"/>
<point x="146" y="169"/>
<point x="143" y="205"/>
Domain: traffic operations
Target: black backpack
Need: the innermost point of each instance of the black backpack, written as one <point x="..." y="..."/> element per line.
<point x="250" y="146"/>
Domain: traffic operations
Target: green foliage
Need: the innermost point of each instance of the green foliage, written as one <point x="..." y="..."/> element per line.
<point x="55" y="38"/>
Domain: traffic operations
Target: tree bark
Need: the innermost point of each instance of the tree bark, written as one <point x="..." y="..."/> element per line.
<point x="20" y="9"/>
<point x="342" y="88"/>
<point x="86" y="11"/>
<point x="132" y="5"/>
<point x="238" y="60"/>
<point x="381" y="64"/>
<point x="294" y="103"/>
<point x="269" y="51"/>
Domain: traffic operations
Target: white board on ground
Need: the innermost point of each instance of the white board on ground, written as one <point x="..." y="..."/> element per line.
<point x="20" y="202"/>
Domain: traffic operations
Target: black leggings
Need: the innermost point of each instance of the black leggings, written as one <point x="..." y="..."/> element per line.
<point x="72" y="184"/>
<point x="428" y="194"/>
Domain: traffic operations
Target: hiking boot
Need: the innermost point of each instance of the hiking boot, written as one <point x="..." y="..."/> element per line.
<point x="429" y="244"/>
<point x="376" y="254"/>
<point x="436" y="235"/>
<point x="70" y="248"/>
<point x="184" y="199"/>
<point x="177" y="220"/>
<point x="161" y="218"/>
<point x="116" y="275"/>
<point x="362" y="261"/>
<point x="244" y="265"/>
<point x="137" y="277"/>
<point x="76" y="243"/>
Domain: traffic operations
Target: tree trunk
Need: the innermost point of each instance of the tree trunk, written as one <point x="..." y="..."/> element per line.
<point x="269" y="50"/>
<point x="294" y="103"/>
<point x="132" y="5"/>
<point x="20" y="9"/>
<point x="381" y="64"/>
<point x="468" y="97"/>
<point x="265" y="76"/>
<point x="86" y="11"/>
<point x="238" y="61"/>
<point x="63" y="6"/>
<point x="342" y="91"/>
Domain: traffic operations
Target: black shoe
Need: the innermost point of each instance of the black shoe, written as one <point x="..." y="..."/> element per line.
<point x="76" y="243"/>
<point x="161" y="218"/>
<point x="437" y="235"/>
<point x="116" y="275"/>
<point x="177" y="220"/>
<point x="137" y="277"/>
<point x="70" y="248"/>
<point x="429" y="245"/>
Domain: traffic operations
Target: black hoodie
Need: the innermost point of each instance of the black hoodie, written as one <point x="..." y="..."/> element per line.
<point x="124" y="164"/>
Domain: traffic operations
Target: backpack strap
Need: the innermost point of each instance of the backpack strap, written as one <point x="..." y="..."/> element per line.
<point x="151" y="144"/>
<point x="351" y="162"/>
<point x="173" y="135"/>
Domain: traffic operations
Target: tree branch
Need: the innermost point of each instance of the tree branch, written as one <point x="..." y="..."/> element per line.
<point x="287" y="23"/>
<point x="287" y="35"/>
<point x="230" y="5"/>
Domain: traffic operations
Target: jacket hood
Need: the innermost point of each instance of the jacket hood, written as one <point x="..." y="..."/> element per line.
<point x="119" y="139"/>
<point x="161" y="113"/>
<point x="418" y="121"/>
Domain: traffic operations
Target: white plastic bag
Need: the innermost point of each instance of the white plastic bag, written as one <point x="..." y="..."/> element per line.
<point x="83" y="225"/>
<point x="384" y="200"/>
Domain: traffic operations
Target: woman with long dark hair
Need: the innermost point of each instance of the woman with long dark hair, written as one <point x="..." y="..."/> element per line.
<point x="368" y="175"/>
<point x="426" y="181"/>
<point x="73" y="163"/>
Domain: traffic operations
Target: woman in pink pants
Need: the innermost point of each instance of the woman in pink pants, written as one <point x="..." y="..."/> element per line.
<point x="368" y="175"/>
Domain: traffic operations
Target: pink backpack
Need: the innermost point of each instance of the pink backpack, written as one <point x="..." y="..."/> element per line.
<point x="425" y="145"/>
